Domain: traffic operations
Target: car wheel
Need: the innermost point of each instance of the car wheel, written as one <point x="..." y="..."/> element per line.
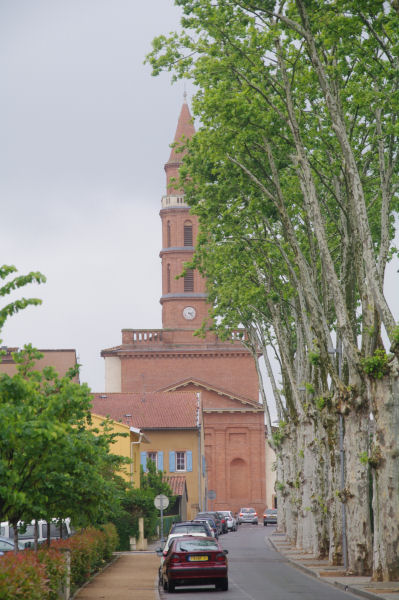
<point x="223" y="585"/>
<point x="265" y="524"/>
<point x="165" y="586"/>
<point x="170" y="587"/>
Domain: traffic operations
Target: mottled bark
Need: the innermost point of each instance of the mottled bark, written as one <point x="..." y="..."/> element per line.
<point x="357" y="489"/>
<point x="384" y="459"/>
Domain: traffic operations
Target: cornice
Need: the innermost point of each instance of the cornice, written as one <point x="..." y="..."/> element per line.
<point x="174" y="353"/>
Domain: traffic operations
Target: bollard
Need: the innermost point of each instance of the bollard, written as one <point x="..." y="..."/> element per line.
<point x="66" y="593"/>
<point x="142" y="542"/>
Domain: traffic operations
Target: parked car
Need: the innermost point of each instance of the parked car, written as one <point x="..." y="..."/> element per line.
<point x="230" y="520"/>
<point x="195" y="561"/>
<point x="211" y="523"/>
<point x="162" y="552"/>
<point x="223" y="521"/>
<point x="270" y="516"/>
<point x="216" y="518"/>
<point x="191" y="527"/>
<point x="8" y="545"/>
<point x="247" y="515"/>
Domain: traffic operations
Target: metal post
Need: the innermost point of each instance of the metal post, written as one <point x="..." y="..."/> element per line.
<point x="161" y="521"/>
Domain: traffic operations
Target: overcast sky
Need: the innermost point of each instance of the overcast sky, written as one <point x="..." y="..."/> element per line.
<point x="84" y="134"/>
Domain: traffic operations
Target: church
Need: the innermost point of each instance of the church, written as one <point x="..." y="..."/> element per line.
<point x="172" y="359"/>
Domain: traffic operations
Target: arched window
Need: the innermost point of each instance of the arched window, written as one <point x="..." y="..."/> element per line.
<point x="168" y="235"/>
<point x="189" y="281"/>
<point x="168" y="278"/>
<point x="188" y="233"/>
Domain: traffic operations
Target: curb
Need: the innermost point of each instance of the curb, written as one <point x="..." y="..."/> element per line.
<point x="337" y="584"/>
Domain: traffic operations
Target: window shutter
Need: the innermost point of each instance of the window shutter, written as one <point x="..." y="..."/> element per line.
<point x="172" y="461"/>
<point x="160" y="461"/>
<point x="143" y="460"/>
<point x="189" y="460"/>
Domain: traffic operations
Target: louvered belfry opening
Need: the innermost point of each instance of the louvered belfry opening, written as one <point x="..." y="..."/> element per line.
<point x="188" y="234"/>
<point x="168" y="235"/>
<point x="189" y="281"/>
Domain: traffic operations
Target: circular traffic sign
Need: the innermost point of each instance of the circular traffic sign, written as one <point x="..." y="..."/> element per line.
<point x="161" y="502"/>
<point x="211" y="494"/>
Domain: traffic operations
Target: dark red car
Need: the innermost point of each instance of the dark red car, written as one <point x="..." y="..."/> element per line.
<point x="195" y="561"/>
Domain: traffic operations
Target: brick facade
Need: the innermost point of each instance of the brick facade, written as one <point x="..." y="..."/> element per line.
<point x="173" y="359"/>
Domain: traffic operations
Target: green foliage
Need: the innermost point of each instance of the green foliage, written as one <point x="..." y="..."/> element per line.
<point x="395" y="335"/>
<point x="139" y="502"/>
<point x="314" y="358"/>
<point x="320" y="403"/>
<point x="310" y="388"/>
<point x="51" y="463"/>
<point x="376" y="366"/>
<point x="14" y="284"/>
<point x="279" y="434"/>
<point x="364" y="458"/>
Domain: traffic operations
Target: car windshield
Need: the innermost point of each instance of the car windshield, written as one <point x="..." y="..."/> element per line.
<point x="248" y="510"/>
<point x="195" y="546"/>
<point x="190" y="528"/>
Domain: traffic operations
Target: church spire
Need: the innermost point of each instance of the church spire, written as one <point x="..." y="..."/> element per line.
<point x="185" y="130"/>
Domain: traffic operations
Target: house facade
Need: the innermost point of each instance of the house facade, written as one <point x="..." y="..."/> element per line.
<point x="172" y="424"/>
<point x="128" y="445"/>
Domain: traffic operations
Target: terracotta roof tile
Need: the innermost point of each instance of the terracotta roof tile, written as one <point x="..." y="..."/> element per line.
<point x="177" y="484"/>
<point x="151" y="410"/>
<point x="203" y="384"/>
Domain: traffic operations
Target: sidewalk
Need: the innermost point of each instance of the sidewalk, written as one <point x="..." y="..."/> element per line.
<point x="131" y="575"/>
<point x="361" y="586"/>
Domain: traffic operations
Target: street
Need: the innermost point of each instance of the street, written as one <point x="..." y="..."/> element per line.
<point x="257" y="572"/>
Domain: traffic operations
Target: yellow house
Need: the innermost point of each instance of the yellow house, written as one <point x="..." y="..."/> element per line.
<point x="173" y="423"/>
<point x="127" y="446"/>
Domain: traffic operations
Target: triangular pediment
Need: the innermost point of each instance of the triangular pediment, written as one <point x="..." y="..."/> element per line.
<point x="229" y="400"/>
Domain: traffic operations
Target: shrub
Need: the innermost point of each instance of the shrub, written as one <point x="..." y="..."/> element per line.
<point x="31" y="575"/>
<point x="23" y="577"/>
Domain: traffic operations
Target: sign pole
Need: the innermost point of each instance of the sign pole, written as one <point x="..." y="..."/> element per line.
<point x="161" y="520"/>
<point x="161" y="501"/>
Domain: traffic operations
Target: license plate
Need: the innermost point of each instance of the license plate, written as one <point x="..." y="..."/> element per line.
<point x="197" y="558"/>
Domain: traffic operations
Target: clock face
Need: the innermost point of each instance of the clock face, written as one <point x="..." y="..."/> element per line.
<point x="189" y="313"/>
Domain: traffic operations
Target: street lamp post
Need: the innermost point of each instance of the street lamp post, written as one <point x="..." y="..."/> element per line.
<point x="338" y="352"/>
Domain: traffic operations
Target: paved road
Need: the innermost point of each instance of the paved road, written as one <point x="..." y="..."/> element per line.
<point x="257" y="572"/>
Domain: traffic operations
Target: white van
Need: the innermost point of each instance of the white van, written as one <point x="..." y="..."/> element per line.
<point x="28" y="535"/>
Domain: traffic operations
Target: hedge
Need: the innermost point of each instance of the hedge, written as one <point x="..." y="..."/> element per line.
<point x="30" y="575"/>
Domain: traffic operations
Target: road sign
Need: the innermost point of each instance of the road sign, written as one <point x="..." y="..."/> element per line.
<point x="211" y="494"/>
<point x="161" y="502"/>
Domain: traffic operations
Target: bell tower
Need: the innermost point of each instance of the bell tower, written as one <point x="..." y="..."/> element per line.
<point x="171" y="359"/>
<point x="183" y="300"/>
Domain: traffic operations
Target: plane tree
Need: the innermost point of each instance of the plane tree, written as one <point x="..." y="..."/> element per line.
<point x="298" y="109"/>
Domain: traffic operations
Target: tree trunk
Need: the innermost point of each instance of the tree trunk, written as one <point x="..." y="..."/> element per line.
<point x="36" y="535"/>
<point x="384" y="460"/>
<point x="333" y="486"/>
<point x="15" y="530"/>
<point x="356" y="493"/>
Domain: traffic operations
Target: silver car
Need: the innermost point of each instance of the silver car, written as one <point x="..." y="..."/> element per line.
<point x="247" y="515"/>
<point x="230" y="519"/>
